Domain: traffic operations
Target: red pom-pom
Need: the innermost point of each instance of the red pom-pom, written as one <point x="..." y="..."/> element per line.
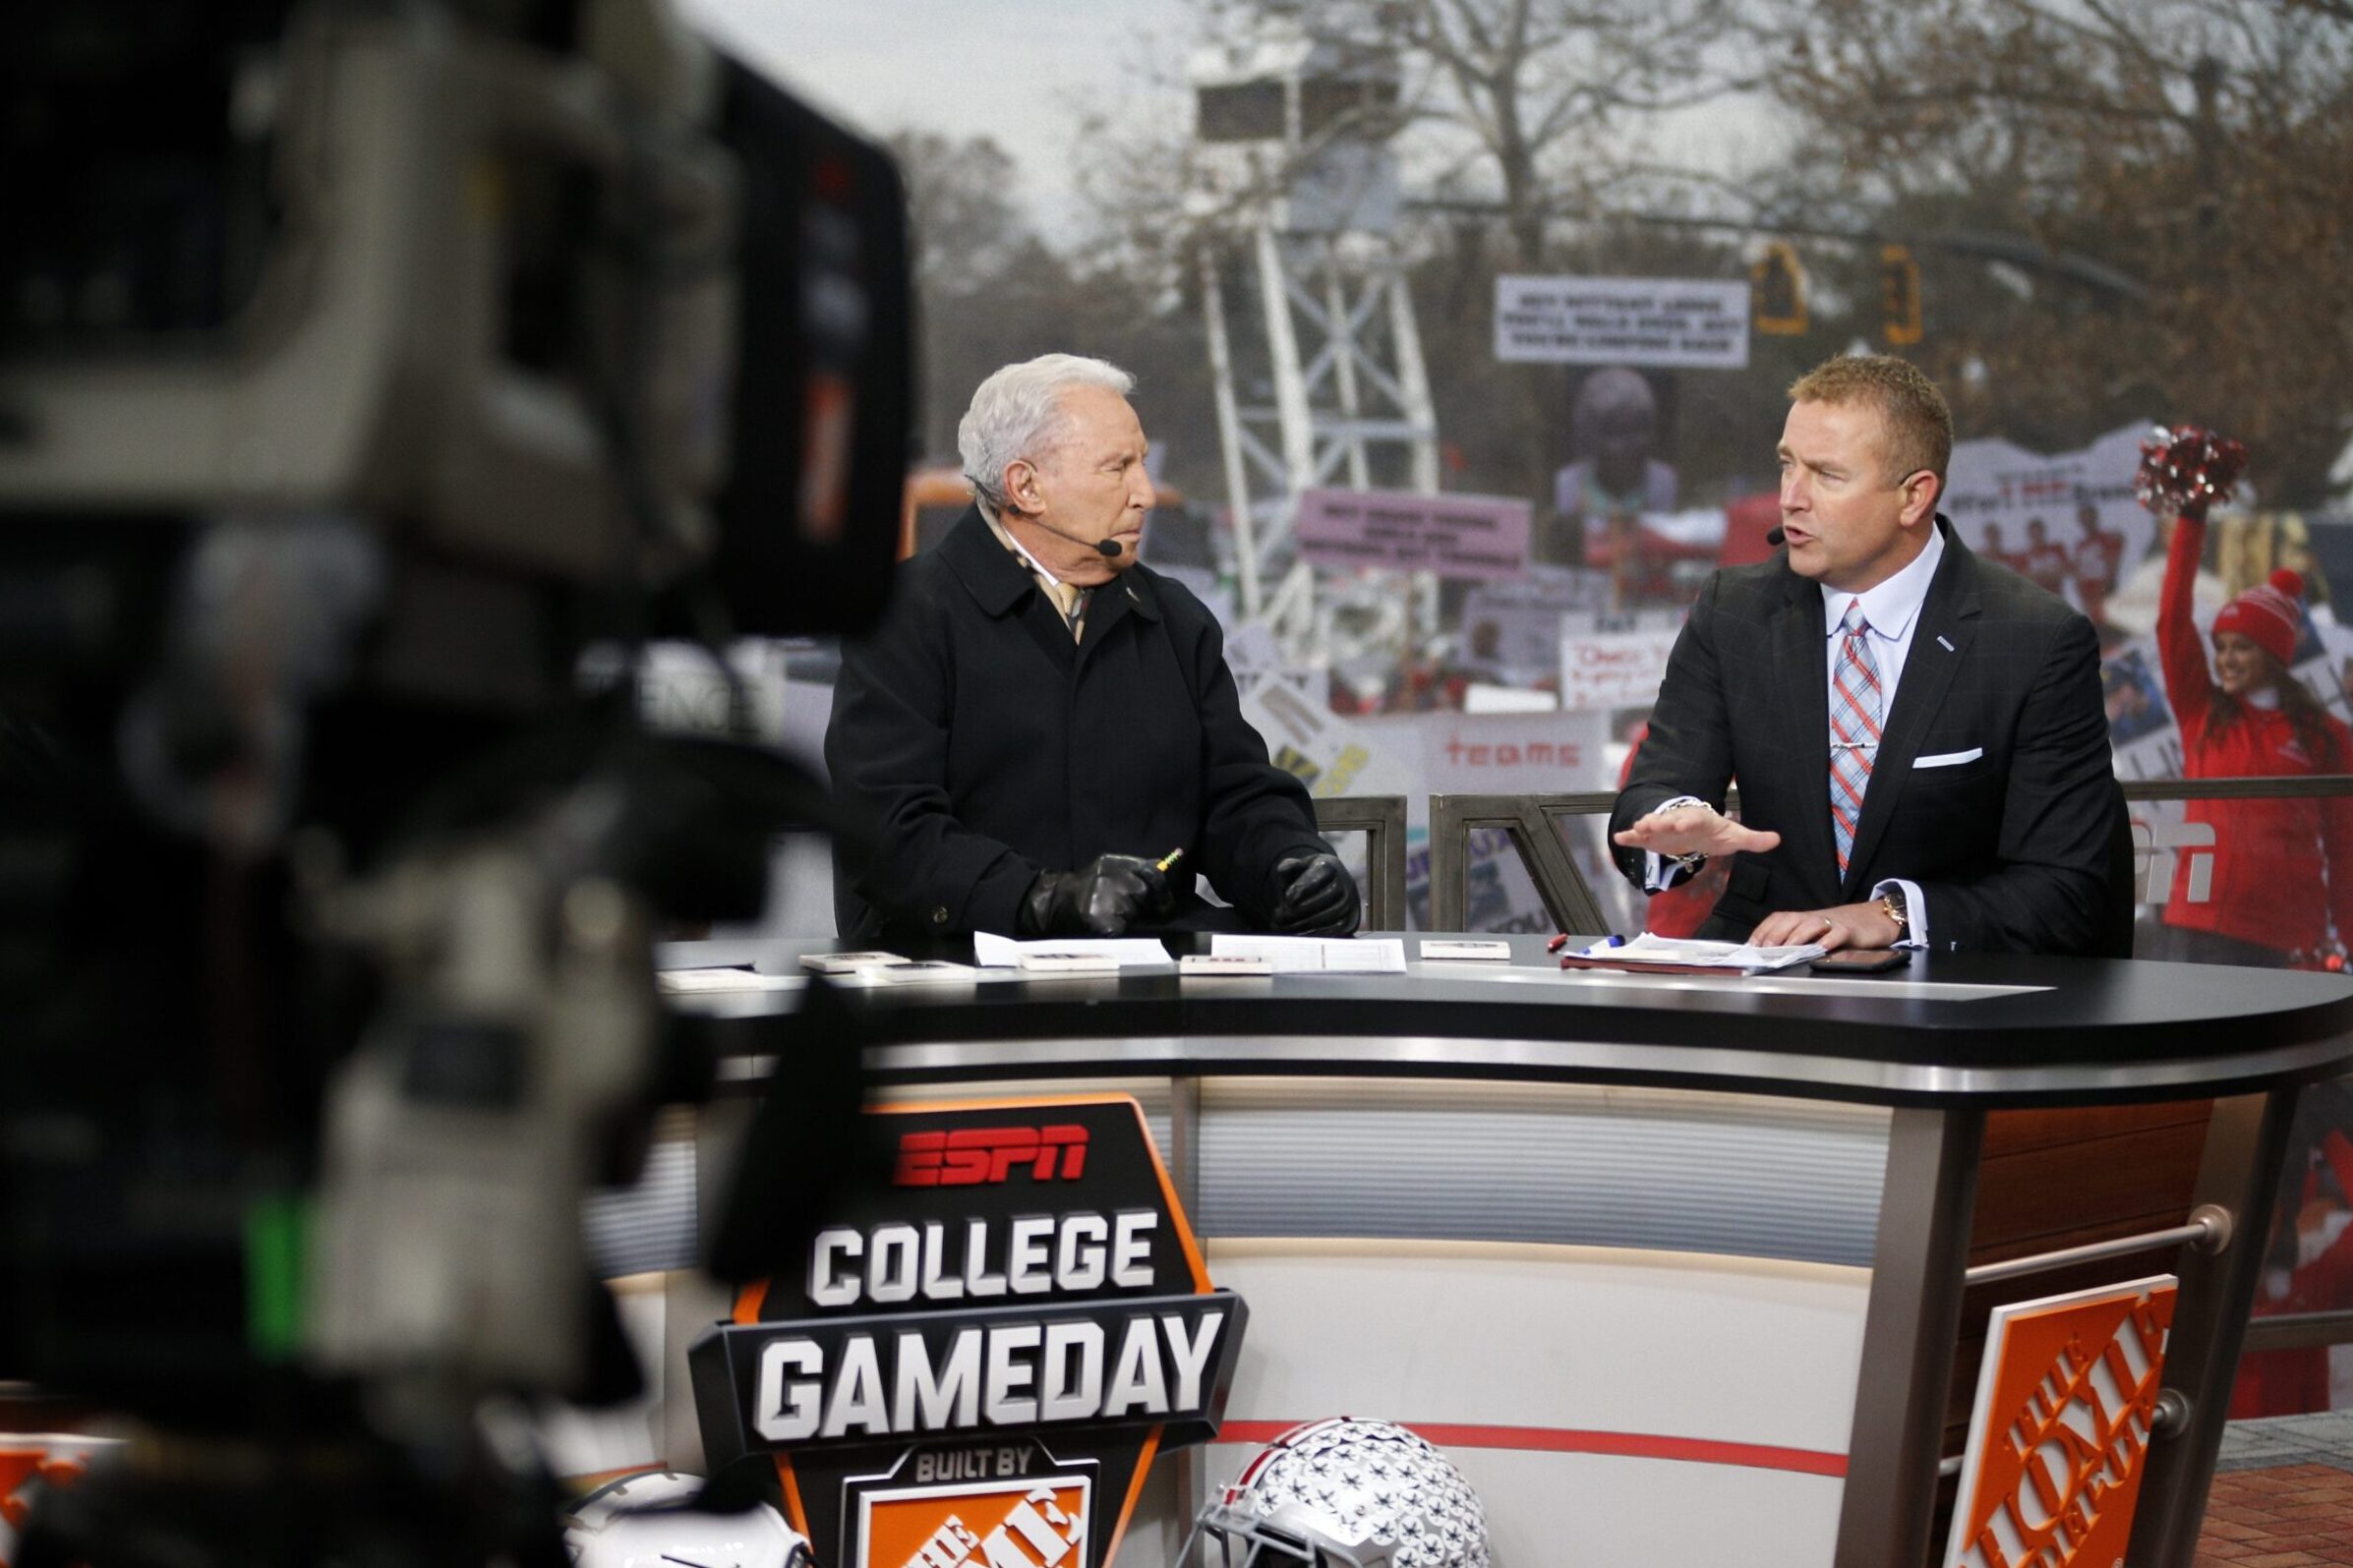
<point x="2186" y="470"/>
<point x="2289" y="583"/>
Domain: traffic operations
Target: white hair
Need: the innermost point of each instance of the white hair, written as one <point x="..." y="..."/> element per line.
<point x="1016" y="413"/>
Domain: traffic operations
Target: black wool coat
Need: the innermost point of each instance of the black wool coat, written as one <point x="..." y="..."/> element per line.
<point x="985" y="746"/>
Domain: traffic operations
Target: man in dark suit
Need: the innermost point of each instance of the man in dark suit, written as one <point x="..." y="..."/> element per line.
<point x="1917" y="734"/>
<point x="1041" y="721"/>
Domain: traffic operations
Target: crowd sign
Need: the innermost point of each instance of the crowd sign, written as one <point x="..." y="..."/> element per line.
<point x="977" y="1362"/>
<point x="1511" y="630"/>
<point x="1693" y="322"/>
<point x="2067" y="520"/>
<point x="1615" y="660"/>
<point x="1453" y="536"/>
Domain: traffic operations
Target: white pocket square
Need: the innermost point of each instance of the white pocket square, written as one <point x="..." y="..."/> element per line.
<point x="1949" y="759"/>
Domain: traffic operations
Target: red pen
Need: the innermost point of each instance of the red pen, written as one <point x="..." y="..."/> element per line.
<point x="1556" y="944"/>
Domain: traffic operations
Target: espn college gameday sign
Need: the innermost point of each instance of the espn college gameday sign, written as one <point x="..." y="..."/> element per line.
<point x="2058" y="1442"/>
<point x="978" y="1362"/>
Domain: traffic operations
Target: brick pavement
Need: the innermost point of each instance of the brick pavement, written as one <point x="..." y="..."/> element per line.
<point x="2297" y="1516"/>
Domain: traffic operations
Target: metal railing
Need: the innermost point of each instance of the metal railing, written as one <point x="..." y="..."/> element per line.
<point x="1382" y="820"/>
<point x="1533" y="823"/>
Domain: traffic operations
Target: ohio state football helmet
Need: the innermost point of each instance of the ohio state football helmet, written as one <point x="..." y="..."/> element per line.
<point x="1344" y="1493"/>
<point x="649" y="1520"/>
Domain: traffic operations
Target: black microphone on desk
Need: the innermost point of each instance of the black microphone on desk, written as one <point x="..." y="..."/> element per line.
<point x="1776" y="536"/>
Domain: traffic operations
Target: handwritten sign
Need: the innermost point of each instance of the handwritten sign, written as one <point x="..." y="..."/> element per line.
<point x="1607" y="662"/>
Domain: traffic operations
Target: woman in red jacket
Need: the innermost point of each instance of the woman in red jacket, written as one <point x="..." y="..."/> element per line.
<point x="2281" y="891"/>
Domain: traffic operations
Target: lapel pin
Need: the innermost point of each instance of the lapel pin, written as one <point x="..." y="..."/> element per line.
<point x="1948" y="647"/>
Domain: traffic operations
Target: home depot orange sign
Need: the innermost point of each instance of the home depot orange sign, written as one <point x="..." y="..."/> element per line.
<point x="2060" y="1432"/>
<point x="1020" y="1523"/>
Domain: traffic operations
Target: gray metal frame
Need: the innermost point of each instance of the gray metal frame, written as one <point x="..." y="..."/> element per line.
<point x="1567" y="897"/>
<point x="1732" y="1068"/>
<point x="1910" y="1331"/>
<point x="1382" y="820"/>
<point x="2291" y="787"/>
<point x="2245" y="1143"/>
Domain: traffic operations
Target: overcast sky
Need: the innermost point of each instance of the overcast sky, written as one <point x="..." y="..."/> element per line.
<point x="1023" y="72"/>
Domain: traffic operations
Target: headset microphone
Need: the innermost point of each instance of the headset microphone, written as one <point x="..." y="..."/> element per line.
<point x="1776" y="536"/>
<point x="1109" y="549"/>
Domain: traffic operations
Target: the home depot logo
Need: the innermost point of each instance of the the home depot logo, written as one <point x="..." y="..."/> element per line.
<point x="978" y="1156"/>
<point x="2059" y="1440"/>
<point x="1017" y="1524"/>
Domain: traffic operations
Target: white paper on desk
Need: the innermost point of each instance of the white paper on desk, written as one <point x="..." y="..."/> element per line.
<point x="1315" y="955"/>
<point x="1649" y="948"/>
<point x="683" y="980"/>
<point x="993" y="952"/>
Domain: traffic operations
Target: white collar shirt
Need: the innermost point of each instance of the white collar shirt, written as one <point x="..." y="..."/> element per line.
<point x="996" y="526"/>
<point x="1893" y="610"/>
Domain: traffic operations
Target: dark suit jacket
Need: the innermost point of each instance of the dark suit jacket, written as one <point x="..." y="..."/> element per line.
<point x="2011" y="848"/>
<point x="987" y="746"/>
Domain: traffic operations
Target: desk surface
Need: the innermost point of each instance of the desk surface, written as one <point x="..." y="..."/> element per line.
<point x="1952" y="1026"/>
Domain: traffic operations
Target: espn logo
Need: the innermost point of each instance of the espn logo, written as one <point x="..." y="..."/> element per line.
<point x="981" y="1156"/>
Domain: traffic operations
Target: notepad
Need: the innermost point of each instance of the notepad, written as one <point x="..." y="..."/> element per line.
<point x="849" y="962"/>
<point x="1464" y="948"/>
<point x="993" y="952"/>
<point x="682" y="981"/>
<point x="1317" y="954"/>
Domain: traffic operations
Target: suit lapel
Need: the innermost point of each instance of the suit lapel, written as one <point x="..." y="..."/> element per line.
<point x="1131" y="593"/>
<point x="1802" y="682"/>
<point x="1948" y="625"/>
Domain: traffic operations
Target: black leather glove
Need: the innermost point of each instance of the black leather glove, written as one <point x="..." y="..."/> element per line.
<point x="1101" y="899"/>
<point x="1319" y="897"/>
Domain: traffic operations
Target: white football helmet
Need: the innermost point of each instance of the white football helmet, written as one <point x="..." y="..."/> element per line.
<point x="1344" y="1493"/>
<point x="649" y="1520"/>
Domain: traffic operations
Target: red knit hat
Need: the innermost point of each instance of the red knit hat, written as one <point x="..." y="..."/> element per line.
<point x="2268" y="615"/>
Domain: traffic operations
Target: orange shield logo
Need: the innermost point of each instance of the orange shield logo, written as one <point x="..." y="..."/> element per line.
<point x="1014" y="1523"/>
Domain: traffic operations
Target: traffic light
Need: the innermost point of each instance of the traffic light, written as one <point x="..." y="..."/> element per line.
<point x="1778" y="291"/>
<point x="1899" y="294"/>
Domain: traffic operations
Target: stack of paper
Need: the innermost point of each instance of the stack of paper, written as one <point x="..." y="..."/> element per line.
<point x="1684" y="954"/>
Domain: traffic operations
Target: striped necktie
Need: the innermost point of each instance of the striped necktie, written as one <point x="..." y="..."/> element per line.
<point x="1855" y="708"/>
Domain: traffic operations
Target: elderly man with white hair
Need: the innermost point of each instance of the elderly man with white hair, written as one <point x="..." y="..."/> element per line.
<point x="1041" y="722"/>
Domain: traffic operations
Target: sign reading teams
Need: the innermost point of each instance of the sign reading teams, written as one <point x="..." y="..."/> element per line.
<point x="1698" y="322"/>
<point x="978" y="1362"/>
